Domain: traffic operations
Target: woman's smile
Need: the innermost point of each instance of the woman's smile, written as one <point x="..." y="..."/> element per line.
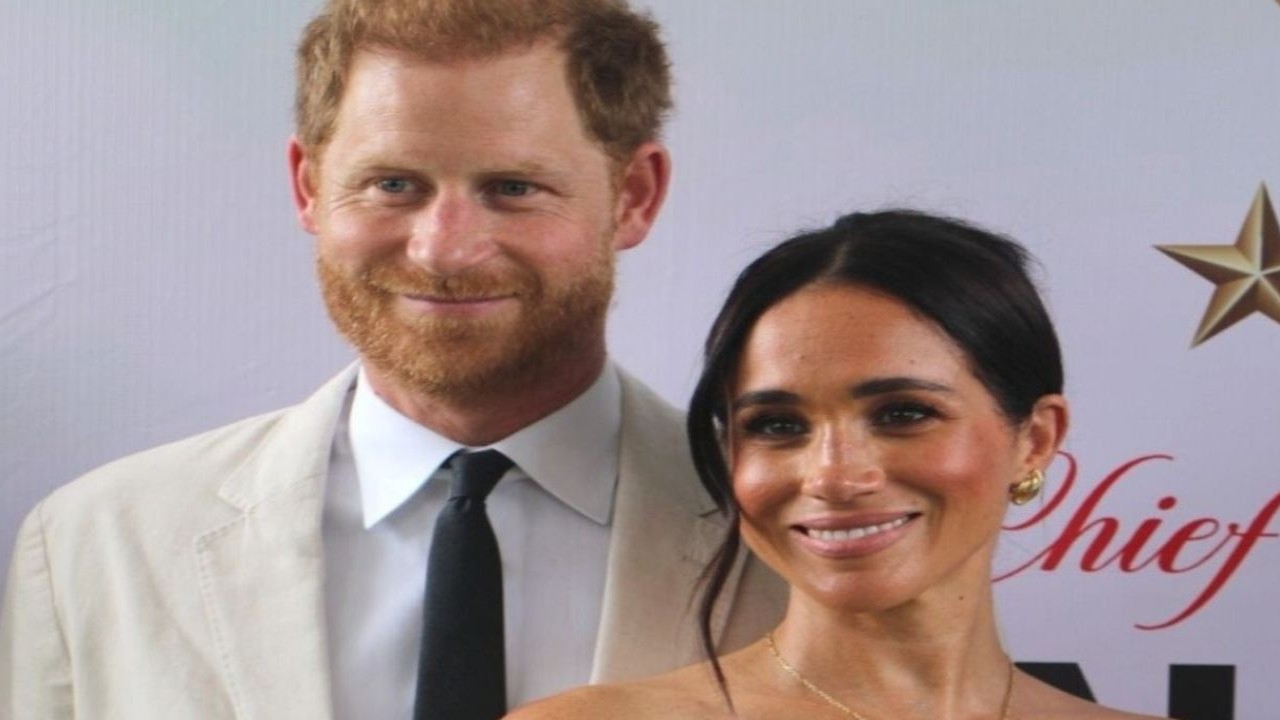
<point x="852" y="537"/>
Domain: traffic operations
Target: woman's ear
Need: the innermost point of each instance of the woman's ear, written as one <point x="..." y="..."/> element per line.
<point x="1043" y="431"/>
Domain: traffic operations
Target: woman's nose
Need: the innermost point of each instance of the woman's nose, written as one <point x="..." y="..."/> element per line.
<point x="843" y="466"/>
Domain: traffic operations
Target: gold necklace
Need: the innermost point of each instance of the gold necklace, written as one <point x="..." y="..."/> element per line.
<point x="793" y="672"/>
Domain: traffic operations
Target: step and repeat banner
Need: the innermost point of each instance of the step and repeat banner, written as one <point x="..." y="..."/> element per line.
<point x="155" y="283"/>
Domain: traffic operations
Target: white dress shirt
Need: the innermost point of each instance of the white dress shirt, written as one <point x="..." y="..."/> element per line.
<point x="551" y="514"/>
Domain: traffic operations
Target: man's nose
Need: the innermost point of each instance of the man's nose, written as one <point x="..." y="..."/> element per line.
<point x="843" y="466"/>
<point x="451" y="235"/>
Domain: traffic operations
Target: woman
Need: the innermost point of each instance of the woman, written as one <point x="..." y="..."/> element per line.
<point x="874" y="396"/>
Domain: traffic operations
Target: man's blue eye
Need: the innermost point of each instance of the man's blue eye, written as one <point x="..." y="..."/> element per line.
<point x="394" y="186"/>
<point x="513" y="188"/>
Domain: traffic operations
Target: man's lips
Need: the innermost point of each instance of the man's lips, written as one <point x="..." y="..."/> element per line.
<point x="455" y="305"/>
<point x="452" y="300"/>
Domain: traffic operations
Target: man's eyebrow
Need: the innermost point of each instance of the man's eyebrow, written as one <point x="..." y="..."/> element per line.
<point x="880" y="386"/>
<point x="390" y="163"/>
<point x="532" y="167"/>
<point x="545" y="174"/>
<point x="523" y="167"/>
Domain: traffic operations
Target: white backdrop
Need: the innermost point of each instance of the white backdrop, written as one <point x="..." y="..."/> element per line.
<point x="154" y="283"/>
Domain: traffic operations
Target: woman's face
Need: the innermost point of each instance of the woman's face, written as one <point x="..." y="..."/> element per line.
<point x="870" y="464"/>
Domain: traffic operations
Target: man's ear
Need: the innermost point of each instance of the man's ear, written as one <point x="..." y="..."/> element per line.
<point x="302" y="176"/>
<point x="1044" y="430"/>
<point x="641" y="188"/>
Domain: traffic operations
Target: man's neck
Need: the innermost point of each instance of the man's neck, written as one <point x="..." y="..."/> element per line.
<point x="485" y="417"/>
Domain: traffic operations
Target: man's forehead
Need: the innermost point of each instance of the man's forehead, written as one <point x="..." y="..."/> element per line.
<point x="530" y="80"/>
<point x="462" y="58"/>
<point x="509" y="92"/>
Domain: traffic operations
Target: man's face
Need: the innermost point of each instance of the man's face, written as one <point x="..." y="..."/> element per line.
<point x="465" y="220"/>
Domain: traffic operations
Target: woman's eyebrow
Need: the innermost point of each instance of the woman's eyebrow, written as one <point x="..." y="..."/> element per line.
<point x="868" y="388"/>
<point x="880" y="386"/>
<point x="765" y="397"/>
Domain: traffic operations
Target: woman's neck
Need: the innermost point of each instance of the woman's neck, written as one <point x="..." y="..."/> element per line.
<point x="936" y="656"/>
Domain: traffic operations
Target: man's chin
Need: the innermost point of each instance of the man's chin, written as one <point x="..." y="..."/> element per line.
<point x="453" y="376"/>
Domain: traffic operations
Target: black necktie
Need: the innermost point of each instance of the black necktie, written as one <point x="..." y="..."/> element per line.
<point x="461" y="666"/>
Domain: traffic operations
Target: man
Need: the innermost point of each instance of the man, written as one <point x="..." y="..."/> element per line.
<point x="469" y="170"/>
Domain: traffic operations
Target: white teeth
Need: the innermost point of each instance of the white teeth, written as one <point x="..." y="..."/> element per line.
<point x="855" y="533"/>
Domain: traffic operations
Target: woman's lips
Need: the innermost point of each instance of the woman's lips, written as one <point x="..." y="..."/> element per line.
<point x="853" y="533"/>
<point x="840" y="537"/>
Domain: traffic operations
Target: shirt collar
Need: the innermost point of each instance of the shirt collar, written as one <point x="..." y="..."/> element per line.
<point x="571" y="453"/>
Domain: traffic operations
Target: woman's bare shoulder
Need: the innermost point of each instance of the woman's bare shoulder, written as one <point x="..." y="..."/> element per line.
<point x="1096" y="712"/>
<point x="1050" y="703"/>
<point x="678" y="694"/>
<point x="593" y="701"/>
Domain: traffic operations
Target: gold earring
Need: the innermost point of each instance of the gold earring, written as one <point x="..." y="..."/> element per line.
<point x="1023" y="492"/>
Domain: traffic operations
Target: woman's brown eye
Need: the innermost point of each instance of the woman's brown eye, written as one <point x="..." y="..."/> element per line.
<point x="903" y="414"/>
<point x="774" y="426"/>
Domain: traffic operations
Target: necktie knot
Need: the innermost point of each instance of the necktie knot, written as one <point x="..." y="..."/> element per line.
<point x="476" y="473"/>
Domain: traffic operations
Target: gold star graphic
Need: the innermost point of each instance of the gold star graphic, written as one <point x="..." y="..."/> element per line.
<point x="1247" y="274"/>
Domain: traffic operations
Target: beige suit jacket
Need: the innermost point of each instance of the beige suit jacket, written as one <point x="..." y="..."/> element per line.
<point x="186" y="581"/>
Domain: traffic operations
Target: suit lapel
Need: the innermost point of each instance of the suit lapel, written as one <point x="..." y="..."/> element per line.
<point x="262" y="574"/>
<point x="664" y="531"/>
